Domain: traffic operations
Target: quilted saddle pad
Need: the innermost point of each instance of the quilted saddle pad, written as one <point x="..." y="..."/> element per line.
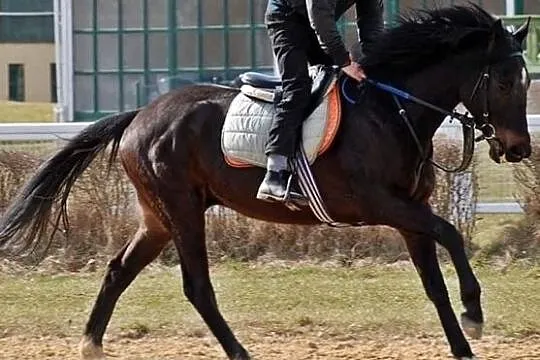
<point x="249" y="118"/>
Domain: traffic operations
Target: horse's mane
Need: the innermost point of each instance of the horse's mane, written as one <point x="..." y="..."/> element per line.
<point x="426" y="37"/>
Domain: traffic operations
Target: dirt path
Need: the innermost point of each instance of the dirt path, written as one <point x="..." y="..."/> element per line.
<point x="296" y="347"/>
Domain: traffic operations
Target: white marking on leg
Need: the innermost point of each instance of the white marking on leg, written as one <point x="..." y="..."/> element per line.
<point x="89" y="351"/>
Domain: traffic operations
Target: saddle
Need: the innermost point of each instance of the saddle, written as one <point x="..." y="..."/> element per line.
<point x="249" y="118"/>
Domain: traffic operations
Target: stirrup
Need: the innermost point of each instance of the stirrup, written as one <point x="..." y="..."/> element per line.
<point x="290" y="202"/>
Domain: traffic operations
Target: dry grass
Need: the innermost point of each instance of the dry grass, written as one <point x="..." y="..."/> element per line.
<point x="102" y="217"/>
<point x="522" y="239"/>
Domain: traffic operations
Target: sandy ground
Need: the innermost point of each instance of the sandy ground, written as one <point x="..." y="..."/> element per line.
<point x="274" y="346"/>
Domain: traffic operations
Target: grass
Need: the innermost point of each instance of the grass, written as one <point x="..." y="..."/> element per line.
<point x="16" y="112"/>
<point x="490" y="227"/>
<point x="269" y="298"/>
<point x="496" y="181"/>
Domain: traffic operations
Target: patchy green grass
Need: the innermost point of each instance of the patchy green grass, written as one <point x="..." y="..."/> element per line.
<point x="496" y="181"/>
<point x="11" y="111"/>
<point x="490" y="227"/>
<point x="269" y="298"/>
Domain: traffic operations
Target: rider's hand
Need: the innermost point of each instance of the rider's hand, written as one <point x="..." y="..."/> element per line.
<point x="355" y="71"/>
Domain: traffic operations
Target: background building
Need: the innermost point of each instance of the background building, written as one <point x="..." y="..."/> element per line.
<point x="27" y="52"/>
<point x="119" y="54"/>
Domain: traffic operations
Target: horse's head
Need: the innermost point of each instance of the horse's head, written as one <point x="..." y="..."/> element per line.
<point x="497" y="98"/>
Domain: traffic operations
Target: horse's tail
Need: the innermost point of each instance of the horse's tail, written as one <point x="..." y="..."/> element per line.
<point x="23" y="225"/>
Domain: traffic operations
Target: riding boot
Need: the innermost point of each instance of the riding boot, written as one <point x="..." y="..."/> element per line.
<point x="278" y="186"/>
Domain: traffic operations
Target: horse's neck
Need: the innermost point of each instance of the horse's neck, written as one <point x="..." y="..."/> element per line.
<point x="439" y="85"/>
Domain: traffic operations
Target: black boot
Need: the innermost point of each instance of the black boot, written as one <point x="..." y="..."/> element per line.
<point x="278" y="186"/>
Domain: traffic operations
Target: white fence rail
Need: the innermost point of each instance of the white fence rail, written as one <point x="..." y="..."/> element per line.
<point x="65" y="131"/>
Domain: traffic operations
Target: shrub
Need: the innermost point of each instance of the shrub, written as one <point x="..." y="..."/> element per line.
<point x="522" y="240"/>
<point x="103" y="217"/>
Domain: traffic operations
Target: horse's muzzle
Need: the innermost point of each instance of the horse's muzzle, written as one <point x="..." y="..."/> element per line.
<point x="515" y="147"/>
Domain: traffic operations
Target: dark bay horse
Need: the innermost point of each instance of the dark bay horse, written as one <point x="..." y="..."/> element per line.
<point x="171" y="152"/>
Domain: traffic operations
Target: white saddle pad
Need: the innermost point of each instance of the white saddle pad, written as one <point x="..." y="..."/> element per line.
<point x="248" y="122"/>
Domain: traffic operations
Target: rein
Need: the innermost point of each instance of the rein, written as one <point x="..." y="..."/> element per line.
<point x="468" y="122"/>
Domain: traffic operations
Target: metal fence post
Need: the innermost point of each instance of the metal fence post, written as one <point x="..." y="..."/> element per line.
<point x="172" y="45"/>
<point x="392" y="11"/>
<point x="519" y="6"/>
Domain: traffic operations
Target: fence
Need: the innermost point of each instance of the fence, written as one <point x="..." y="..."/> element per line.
<point x="495" y="194"/>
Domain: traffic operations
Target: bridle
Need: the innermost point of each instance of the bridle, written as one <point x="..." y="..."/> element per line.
<point x="469" y="123"/>
<point x="484" y="124"/>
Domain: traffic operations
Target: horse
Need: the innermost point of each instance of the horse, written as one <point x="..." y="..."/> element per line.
<point x="170" y="151"/>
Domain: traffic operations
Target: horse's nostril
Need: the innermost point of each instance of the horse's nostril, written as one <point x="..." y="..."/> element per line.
<point x="519" y="152"/>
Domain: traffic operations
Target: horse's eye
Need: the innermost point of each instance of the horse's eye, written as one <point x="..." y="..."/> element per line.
<point x="505" y="85"/>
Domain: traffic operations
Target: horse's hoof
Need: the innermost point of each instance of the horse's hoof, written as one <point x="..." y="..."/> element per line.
<point x="471" y="328"/>
<point x="242" y="355"/>
<point x="90" y="351"/>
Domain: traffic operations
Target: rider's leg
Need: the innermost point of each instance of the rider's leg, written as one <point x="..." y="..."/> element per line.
<point x="288" y="37"/>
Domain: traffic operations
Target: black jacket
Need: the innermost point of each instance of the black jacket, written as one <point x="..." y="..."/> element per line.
<point x="323" y="14"/>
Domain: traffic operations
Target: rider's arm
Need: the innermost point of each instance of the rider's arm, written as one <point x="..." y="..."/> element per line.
<point x="369" y="18"/>
<point x="321" y="15"/>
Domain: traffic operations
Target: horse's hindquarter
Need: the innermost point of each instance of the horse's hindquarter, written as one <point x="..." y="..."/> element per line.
<point x="170" y="138"/>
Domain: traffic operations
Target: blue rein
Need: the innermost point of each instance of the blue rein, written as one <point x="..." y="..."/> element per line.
<point x="396" y="92"/>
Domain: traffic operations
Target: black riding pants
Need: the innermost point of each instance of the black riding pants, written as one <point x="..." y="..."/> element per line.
<point x="295" y="46"/>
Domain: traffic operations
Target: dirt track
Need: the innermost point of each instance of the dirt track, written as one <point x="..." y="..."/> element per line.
<point x="294" y="347"/>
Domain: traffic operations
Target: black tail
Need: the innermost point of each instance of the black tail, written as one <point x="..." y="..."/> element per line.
<point x="24" y="223"/>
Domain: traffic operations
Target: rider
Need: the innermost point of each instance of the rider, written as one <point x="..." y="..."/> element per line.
<point x="302" y="32"/>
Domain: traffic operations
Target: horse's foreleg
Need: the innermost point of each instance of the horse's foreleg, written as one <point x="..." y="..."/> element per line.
<point x="190" y="242"/>
<point x="420" y="228"/>
<point x="424" y="257"/>
<point x="121" y="271"/>
<point x="472" y="319"/>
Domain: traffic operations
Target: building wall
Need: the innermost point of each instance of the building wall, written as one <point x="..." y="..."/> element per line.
<point x="36" y="59"/>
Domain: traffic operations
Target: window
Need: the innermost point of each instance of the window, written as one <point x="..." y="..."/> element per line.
<point x="52" y="72"/>
<point x="37" y="26"/>
<point x="16" y="82"/>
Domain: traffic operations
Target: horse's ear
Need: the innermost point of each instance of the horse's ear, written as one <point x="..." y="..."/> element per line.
<point x="497" y="28"/>
<point x="497" y="31"/>
<point x="522" y="32"/>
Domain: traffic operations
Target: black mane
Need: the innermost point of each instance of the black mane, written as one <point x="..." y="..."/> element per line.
<point x="426" y="37"/>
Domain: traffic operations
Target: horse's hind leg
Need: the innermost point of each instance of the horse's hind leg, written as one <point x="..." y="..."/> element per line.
<point x="121" y="270"/>
<point x="189" y="239"/>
